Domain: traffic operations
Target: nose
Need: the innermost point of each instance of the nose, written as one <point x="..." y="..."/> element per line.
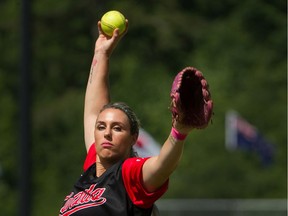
<point x="107" y="133"/>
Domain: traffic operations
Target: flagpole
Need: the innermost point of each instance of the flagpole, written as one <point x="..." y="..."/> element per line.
<point x="230" y="130"/>
<point x="24" y="205"/>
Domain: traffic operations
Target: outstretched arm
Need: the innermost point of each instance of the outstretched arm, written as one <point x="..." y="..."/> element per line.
<point x="191" y="107"/>
<point x="97" y="90"/>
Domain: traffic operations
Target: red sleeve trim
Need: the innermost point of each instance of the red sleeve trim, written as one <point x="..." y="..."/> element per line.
<point x="90" y="158"/>
<point x="132" y="177"/>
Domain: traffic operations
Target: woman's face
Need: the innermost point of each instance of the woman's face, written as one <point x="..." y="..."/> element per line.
<point x="112" y="135"/>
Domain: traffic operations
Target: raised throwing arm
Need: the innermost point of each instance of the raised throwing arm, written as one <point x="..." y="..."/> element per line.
<point x="97" y="90"/>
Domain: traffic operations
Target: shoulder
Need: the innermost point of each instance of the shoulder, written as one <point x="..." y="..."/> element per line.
<point x="134" y="162"/>
<point x="132" y="169"/>
<point x="133" y="182"/>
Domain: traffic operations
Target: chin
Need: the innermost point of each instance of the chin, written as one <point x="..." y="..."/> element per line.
<point x="110" y="157"/>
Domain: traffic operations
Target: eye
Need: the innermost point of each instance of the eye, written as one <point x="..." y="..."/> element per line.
<point x="100" y="127"/>
<point x="117" y="128"/>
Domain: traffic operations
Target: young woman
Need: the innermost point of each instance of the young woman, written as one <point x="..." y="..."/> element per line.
<point x="115" y="181"/>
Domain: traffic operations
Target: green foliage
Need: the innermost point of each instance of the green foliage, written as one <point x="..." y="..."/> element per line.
<point x="240" y="46"/>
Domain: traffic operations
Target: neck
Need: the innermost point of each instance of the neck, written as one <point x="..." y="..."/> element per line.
<point x="100" y="169"/>
<point x="102" y="166"/>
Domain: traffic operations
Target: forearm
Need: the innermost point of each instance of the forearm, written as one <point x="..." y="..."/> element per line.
<point x="97" y="94"/>
<point x="97" y="90"/>
<point x="157" y="169"/>
<point x="169" y="156"/>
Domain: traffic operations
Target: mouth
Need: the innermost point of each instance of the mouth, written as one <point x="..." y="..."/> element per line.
<point x="107" y="145"/>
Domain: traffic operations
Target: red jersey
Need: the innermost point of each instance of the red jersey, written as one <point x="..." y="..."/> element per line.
<point x="119" y="191"/>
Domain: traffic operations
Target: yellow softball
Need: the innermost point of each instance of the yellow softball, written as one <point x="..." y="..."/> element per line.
<point x="112" y="20"/>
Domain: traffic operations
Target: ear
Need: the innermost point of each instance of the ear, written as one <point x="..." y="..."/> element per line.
<point x="135" y="137"/>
